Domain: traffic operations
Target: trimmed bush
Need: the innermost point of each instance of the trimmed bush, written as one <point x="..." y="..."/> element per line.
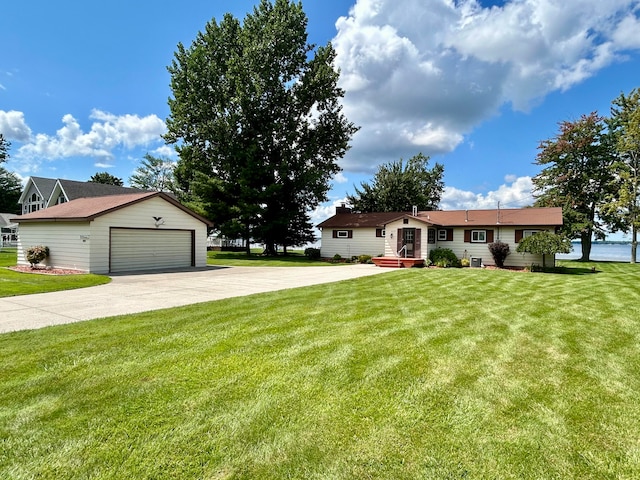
<point x="500" y="251"/>
<point x="464" y="262"/>
<point x="364" y="259"/>
<point x="312" y="253"/>
<point x="443" y="257"/>
<point x="35" y="255"/>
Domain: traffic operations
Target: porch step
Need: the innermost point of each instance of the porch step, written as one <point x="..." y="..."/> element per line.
<point x="395" y="262"/>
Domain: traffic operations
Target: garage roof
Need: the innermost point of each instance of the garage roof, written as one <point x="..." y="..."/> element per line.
<point x="86" y="209"/>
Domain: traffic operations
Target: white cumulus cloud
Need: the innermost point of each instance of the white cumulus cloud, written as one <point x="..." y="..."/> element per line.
<point x="106" y="133"/>
<point x="515" y="193"/>
<point x="420" y="74"/>
<point x="13" y="126"/>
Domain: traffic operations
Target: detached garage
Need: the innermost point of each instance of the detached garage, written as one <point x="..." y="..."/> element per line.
<point x="118" y="233"/>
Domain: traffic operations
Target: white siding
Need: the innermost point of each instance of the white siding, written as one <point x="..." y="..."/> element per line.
<point x="85" y="245"/>
<point x="144" y="249"/>
<point x="364" y="242"/>
<point x="140" y="215"/>
<point x="68" y="243"/>
<point x="481" y="250"/>
<point x="391" y="246"/>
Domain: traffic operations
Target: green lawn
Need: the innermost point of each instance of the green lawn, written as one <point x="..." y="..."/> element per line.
<point x="17" y="283"/>
<point x="240" y="259"/>
<point x="421" y="373"/>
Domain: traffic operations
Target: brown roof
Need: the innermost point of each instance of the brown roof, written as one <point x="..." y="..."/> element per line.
<point x="550" y="216"/>
<point x="505" y="216"/>
<point x="359" y="220"/>
<point x="86" y="209"/>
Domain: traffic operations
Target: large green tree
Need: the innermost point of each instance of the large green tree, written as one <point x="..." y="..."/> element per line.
<point x="623" y="207"/>
<point x="397" y="187"/>
<point x="10" y="185"/>
<point x="106" y="178"/>
<point x="577" y="176"/>
<point x="154" y="174"/>
<point x="4" y="148"/>
<point x="257" y="122"/>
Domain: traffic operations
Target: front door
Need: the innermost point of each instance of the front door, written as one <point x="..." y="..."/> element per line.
<point x="409" y="238"/>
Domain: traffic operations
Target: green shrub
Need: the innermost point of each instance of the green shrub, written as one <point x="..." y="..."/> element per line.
<point x="35" y="255"/>
<point x="312" y="253"/>
<point x="499" y="251"/>
<point x="364" y="259"/>
<point x="443" y="257"/>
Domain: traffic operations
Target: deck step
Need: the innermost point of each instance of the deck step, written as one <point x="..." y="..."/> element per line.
<point x="395" y="262"/>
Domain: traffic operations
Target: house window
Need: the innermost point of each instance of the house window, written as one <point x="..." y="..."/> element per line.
<point x="431" y="235"/>
<point x="343" y="234"/>
<point x="33" y="204"/>
<point x="405" y="221"/>
<point x="528" y="233"/>
<point x="442" y="235"/>
<point x="478" y="236"/>
<point x="61" y="199"/>
<point x="380" y="232"/>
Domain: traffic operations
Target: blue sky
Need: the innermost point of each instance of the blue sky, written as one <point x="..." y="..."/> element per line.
<point x="474" y="85"/>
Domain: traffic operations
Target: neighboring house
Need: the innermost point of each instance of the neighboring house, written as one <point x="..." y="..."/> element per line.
<point x="117" y="233"/>
<point x="8" y="230"/>
<point x="42" y="193"/>
<point x="466" y="232"/>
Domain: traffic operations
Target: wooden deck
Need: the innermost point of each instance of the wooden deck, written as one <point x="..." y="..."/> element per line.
<point x="396" y="262"/>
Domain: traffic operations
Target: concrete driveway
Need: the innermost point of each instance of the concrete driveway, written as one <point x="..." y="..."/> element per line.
<point x="153" y="291"/>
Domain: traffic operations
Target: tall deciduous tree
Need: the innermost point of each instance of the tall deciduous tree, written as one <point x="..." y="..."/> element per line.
<point x="258" y="124"/>
<point x="577" y="176"/>
<point x="4" y="148"/>
<point x="623" y="207"/>
<point x="106" y="178"/>
<point x="154" y="174"/>
<point x="10" y="186"/>
<point x="397" y="187"/>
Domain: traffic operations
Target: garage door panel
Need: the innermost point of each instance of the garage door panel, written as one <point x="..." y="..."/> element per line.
<point x="140" y="249"/>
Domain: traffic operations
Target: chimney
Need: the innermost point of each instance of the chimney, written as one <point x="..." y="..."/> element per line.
<point x="342" y="209"/>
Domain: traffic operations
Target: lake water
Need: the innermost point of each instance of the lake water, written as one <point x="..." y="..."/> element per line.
<point x="613" y="252"/>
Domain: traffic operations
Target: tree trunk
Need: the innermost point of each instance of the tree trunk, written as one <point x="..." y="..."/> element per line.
<point x="585" y="242"/>
<point x="270" y="249"/>
<point x="634" y="243"/>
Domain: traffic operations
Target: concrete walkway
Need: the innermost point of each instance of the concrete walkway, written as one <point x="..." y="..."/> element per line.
<point x="153" y="291"/>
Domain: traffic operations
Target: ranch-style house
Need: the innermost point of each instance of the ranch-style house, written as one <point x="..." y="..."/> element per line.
<point x="396" y="236"/>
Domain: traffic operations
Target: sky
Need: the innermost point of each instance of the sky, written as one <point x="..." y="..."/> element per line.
<point x="473" y="84"/>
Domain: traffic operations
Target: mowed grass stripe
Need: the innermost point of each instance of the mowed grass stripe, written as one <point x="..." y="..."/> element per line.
<point x="458" y="373"/>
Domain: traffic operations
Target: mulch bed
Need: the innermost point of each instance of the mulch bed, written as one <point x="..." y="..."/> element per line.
<point x="45" y="270"/>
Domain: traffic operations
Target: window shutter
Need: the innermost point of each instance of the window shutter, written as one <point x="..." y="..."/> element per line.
<point x="489" y="236"/>
<point x="399" y="240"/>
<point x="467" y="236"/>
<point x="350" y="233"/>
<point x="335" y="234"/>
<point x="519" y="235"/>
<point x="450" y="234"/>
<point x="417" y="246"/>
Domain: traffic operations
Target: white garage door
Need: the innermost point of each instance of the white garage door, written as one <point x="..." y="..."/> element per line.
<point x="140" y="249"/>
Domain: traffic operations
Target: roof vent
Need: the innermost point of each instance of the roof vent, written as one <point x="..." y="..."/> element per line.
<point x="414" y="211"/>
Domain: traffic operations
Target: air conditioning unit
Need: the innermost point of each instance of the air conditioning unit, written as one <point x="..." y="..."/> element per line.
<point x="476" y="262"/>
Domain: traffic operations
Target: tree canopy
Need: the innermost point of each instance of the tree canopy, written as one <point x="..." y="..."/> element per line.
<point x="577" y="177"/>
<point x="397" y="187"/>
<point x="258" y="125"/>
<point x="10" y="185"/>
<point x="545" y="243"/>
<point x="4" y="148"/>
<point x="106" y="178"/>
<point x="622" y="209"/>
<point x="154" y="174"/>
